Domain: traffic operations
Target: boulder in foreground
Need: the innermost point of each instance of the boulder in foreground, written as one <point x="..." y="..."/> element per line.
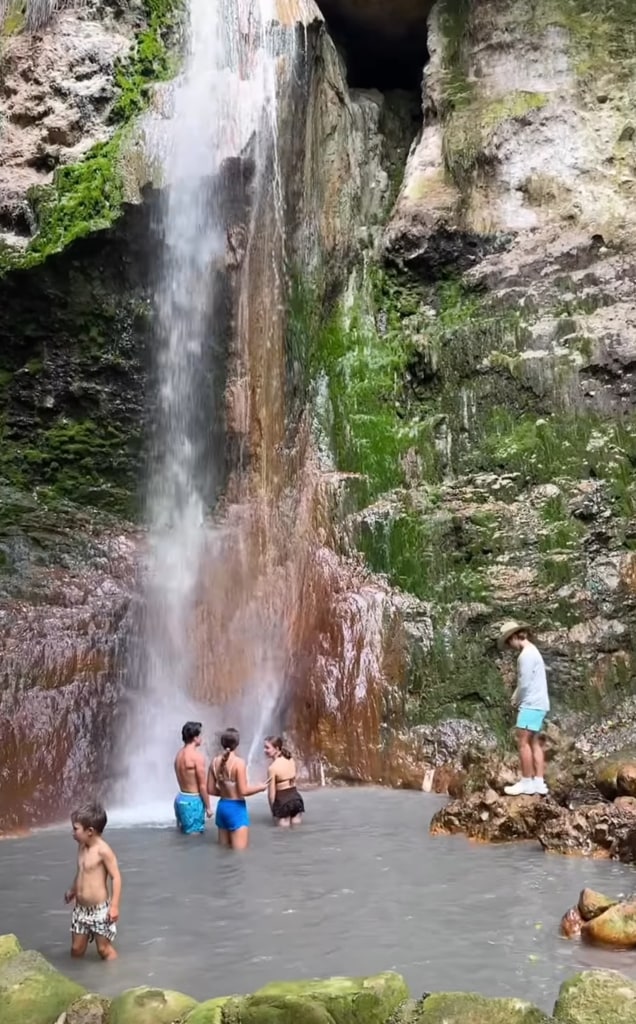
<point x="597" y="997"/>
<point x="33" y="992"/>
<point x="465" y="1008"/>
<point x="150" y="1006"/>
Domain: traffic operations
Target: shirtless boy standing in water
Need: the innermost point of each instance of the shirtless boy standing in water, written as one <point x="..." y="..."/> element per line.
<point x="95" y="915"/>
<point x="192" y="802"/>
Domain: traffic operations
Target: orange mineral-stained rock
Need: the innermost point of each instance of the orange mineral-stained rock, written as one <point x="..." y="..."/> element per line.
<point x="571" y="923"/>
<point x="616" y="927"/>
<point x="592" y="904"/>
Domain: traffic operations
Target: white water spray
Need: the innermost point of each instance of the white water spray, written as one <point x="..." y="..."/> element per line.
<point x="227" y="85"/>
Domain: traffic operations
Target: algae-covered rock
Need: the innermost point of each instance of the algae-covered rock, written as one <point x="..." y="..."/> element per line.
<point x="282" y="1009"/>
<point x="150" y="1006"/>
<point x="210" y="1012"/>
<point x="369" y="1000"/>
<point x="466" y="1008"/>
<point x="591" y="904"/>
<point x="9" y="946"/>
<point x="31" y="990"/>
<point x="616" y="927"/>
<point x="597" y="997"/>
<point x="88" y="1009"/>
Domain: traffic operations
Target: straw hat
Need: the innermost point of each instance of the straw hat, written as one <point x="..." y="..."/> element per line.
<point x="509" y="628"/>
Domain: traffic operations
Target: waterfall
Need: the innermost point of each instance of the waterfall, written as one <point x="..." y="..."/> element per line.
<point x="224" y="99"/>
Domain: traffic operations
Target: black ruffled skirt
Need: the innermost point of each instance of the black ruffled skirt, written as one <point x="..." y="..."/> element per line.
<point x="288" y="804"/>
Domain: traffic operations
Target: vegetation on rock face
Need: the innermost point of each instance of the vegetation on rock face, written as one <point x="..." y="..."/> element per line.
<point x="87" y="196"/>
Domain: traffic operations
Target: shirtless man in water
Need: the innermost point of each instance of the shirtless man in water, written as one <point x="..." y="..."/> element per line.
<point x="95" y="915"/>
<point x="192" y="802"/>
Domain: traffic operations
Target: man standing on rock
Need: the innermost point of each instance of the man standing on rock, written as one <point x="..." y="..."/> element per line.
<point x="532" y="700"/>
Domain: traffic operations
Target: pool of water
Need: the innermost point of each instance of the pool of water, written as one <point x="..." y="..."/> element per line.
<point x="360" y="887"/>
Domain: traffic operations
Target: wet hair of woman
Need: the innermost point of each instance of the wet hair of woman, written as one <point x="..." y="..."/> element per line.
<point x="278" y="743"/>
<point x="190" y="731"/>
<point x="229" y="741"/>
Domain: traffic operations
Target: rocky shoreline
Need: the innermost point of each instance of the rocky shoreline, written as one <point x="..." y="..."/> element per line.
<point x="590" y="810"/>
<point x="33" y="992"/>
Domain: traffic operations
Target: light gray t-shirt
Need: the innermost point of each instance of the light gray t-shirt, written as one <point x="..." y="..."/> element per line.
<point x="531" y="680"/>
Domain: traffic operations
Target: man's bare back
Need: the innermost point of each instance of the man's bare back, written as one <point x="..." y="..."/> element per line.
<point x="186" y="763"/>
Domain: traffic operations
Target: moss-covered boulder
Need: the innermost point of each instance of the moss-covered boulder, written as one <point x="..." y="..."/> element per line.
<point x="150" y="1006"/>
<point x="369" y="1000"/>
<point x="597" y="997"/>
<point x="466" y="1008"/>
<point x="211" y="1012"/>
<point x="591" y="904"/>
<point x="88" y="1009"/>
<point x="32" y="991"/>
<point x="616" y="927"/>
<point x="9" y="946"/>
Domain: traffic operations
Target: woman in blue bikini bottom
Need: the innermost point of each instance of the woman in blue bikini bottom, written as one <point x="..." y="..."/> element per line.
<point x="227" y="779"/>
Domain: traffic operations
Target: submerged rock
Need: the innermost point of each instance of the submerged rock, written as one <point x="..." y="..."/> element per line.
<point x="150" y="1006"/>
<point x="32" y="991"/>
<point x="597" y="997"/>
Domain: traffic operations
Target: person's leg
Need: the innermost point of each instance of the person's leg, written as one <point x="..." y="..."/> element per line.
<point x="538" y="762"/>
<point x="298" y="820"/>
<point x="105" y="948"/>
<point x="224" y="837"/>
<point x="525" y="784"/>
<point x="282" y="822"/>
<point x="240" y="838"/>
<point x="79" y="944"/>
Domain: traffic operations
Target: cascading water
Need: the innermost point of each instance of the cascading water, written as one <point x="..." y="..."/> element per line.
<point x="223" y="99"/>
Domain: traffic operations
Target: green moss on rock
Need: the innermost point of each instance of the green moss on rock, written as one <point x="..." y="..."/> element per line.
<point x="369" y="1000"/>
<point x="597" y="997"/>
<point x="31" y="990"/>
<point x="150" y="1006"/>
<point x="87" y="196"/>
<point x="465" y="1008"/>
<point x="88" y="1009"/>
<point x="209" y="1012"/>
<point x="9" y="946"/>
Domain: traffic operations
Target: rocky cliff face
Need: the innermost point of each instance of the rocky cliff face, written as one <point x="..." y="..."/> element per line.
<point x="459" y="330"/>
<point x="489" y="397"/>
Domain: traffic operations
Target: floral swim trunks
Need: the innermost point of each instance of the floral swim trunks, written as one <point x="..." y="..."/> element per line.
<point x="93" y="921"/>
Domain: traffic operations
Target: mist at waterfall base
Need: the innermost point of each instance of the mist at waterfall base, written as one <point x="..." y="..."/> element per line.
<point x="217" y="104"/>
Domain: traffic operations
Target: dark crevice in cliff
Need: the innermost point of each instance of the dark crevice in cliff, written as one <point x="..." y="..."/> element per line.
<point x="379" y="55"/>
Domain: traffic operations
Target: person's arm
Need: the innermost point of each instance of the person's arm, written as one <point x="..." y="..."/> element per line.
<point x="199" y="767"/>
<point x="213" y="786"/>
<point x="271" y="785"/>
<point x="242" y="787"/>
<point x="112" y="867"/>
<point x="71" y="893"/>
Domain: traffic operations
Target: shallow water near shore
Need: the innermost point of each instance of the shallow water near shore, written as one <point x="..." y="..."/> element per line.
<point x="360" y="887"/>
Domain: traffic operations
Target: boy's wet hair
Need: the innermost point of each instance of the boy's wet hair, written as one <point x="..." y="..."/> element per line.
<point x="90" y="816"/>
<point x="190" y="731"/>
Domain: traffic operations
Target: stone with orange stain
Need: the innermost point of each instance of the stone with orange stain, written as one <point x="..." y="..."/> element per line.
<point x="571" y="923"/>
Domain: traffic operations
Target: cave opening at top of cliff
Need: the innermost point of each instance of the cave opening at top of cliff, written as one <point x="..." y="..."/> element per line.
<point x="383" y="44"/>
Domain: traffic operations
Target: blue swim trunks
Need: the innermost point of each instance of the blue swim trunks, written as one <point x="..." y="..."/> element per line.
<point x="530" y="719"/>
<point x="189" y="810"/>
<point x="231" y="815"/>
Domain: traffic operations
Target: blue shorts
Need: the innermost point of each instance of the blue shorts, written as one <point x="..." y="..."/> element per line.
<point x="189" y="810"/>
<point x="231" y="815"/>
<point x="530" y="719"/>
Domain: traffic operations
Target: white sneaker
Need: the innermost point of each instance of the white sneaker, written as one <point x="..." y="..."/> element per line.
<point x="524" y="787"/>
<point x="539" y="787"/>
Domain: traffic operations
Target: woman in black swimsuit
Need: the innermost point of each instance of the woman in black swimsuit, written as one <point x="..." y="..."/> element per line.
<point x="285" y="801"/>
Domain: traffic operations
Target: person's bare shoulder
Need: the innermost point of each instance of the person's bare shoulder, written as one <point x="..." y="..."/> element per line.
<point x="105" y="851"/>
